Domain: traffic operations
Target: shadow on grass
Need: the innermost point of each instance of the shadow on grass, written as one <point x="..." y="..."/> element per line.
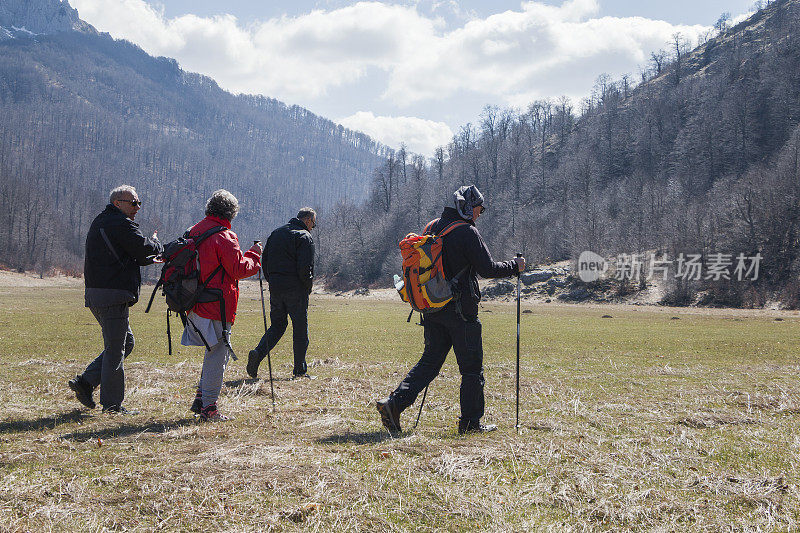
<point x="250" y="381"/>
<point x="369" y="437"/>
<point x="45" y="422"/>
<point x="126" y="430"/>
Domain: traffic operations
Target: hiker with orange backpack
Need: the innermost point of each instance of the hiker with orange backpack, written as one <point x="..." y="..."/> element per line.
<point x="222" y="264"/>
<point x="462" y="253"/>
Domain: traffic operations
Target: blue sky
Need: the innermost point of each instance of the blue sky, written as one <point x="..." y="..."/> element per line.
<point x="404" y="70"/>
<point x="674" y="11"/>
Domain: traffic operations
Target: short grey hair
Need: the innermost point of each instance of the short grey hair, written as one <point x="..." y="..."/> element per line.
<point x="222" y="204"/>
<point x="120" y="192"/>
<point x="306" y="212"/>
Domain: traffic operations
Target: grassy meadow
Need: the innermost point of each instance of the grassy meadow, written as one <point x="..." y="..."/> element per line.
<point x="652" y="419"/>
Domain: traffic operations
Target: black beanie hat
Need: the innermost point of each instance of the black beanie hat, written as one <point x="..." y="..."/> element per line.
<point x="466" y="198"/>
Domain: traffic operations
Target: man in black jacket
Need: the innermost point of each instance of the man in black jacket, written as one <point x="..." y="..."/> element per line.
<point x="456" y="325"/>
<point x="288" y="266"/>
<point x="115" y="251"/>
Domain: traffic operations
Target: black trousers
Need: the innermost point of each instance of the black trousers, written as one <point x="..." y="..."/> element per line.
<point x="106" y="370"/>
<point x="294" y="305"/>
<point x="444" y="330"/>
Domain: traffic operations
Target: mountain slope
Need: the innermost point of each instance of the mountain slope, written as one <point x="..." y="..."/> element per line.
<point x="84" y="112"/>
<point x="700" y="157"/>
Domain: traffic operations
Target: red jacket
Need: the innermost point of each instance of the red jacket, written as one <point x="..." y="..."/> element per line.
<point x="223" y="248"/>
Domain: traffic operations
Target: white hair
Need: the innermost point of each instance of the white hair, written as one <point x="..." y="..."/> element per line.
<point x="306" y="212"/>
<point x="222" y="204"/>
<point x="118" y="193"/>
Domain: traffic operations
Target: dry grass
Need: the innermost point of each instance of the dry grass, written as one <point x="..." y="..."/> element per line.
<point x="638" y="422"/>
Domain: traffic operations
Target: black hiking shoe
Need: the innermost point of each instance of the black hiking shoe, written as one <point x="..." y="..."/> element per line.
<point x="304" y="375"/>
<point x="197" y="404"/>
<point x="390" y="415"/>
<point x="470" y="426"/>
<point x="83" y="391"/>
<point x="119" y="410"/>
<point x="253" y="360"/>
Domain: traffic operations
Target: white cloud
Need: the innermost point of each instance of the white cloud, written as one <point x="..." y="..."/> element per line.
<point x="373" y="50"/>
<point x="421" y="136"/>
<point x="302" y="57"/>
<point x="741" y="18"/>
<point x="292" y="58"/>
<point x="552" y="47"/>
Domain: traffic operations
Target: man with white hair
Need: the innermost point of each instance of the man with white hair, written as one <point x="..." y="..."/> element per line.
<point x="115" y="251"/>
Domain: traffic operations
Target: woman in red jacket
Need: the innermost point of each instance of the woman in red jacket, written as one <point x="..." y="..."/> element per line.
<point x="222" y="265"/>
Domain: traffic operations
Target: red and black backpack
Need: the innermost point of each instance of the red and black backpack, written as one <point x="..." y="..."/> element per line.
<point x="182" y="283"/>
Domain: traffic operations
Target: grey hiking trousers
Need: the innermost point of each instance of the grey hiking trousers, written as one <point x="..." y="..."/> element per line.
<point x="107" y="369"/>
<point x="215" y="360"/>
<point x="214" y="364"/>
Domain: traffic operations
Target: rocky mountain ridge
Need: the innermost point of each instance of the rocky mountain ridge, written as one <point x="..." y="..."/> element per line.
<point x="23" y="18"/>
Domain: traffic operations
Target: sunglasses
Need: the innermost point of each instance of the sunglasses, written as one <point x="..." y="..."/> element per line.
<point x="482" y="209"/>
<point x="135" y="203"/>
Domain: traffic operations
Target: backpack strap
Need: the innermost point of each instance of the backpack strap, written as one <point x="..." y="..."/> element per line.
<point x="150" y="303"/>
<point x="460" y="273"/>
<point x="450" y="227"/>
<point x="198" y="241"/>
<point x="204" y="283"/>
<point x="185" y="318"/>
<point x="110" y="247"/>
<point x="429" y="226"/>
<point x="169" y="333"/>
<point x="206" y="234"/>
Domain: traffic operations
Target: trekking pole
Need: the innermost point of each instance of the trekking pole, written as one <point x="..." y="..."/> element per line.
<point x="424" y="394"/>
<point x="264" y="314"/>
<point x="519" y="255"/>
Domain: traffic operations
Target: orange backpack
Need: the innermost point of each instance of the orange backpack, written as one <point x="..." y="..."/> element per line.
<point x="423" y="284"/>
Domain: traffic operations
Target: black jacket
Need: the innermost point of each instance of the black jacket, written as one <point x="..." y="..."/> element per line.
<point x="464" y="247"/>
<point x="288" y="260"/>
<point x="115" y="249"/>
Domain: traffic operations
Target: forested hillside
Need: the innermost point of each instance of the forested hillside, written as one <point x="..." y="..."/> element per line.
<point x="82" y="112"/>
<point x="699" y="156"/>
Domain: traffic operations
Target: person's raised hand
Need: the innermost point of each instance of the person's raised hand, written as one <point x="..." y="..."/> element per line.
<point x="257" y="248"/>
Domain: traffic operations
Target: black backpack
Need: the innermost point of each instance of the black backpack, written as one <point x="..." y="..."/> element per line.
<point x="182" y="283"/>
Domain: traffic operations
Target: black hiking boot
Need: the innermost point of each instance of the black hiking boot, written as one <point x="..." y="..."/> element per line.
<point x="83" y="391"/>
<point x="197" y="404"/>
<point x="390" y="415"/>
<point x="253" y="360"/>
<point x="470" y="426"/>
